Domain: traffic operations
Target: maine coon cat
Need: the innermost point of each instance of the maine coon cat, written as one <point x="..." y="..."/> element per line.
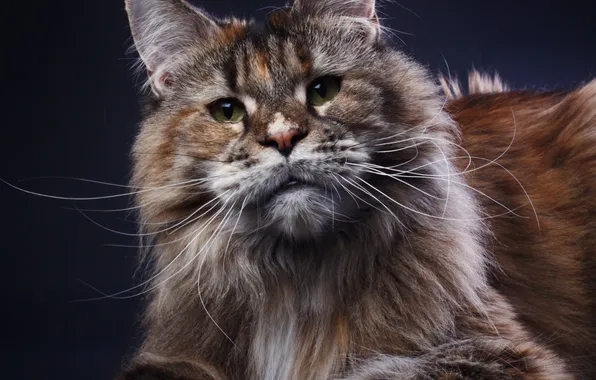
<point x="319" y="209"/>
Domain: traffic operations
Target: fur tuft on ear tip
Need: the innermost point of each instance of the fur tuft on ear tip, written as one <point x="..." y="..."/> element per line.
<point x="361" y="12"/>
<point x="364" y="9"/>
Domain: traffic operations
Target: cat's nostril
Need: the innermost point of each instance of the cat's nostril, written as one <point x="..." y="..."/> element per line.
<point x="295" y="139"/>
<point x="285" y="141"/>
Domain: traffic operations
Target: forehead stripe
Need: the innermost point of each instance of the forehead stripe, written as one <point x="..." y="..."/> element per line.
<point x="262" y="62"/>
<point x="231" y="73"/>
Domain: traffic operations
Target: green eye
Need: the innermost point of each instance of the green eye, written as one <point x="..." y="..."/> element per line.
<point x="228" y="111"/>
<point x="323" y="90"/>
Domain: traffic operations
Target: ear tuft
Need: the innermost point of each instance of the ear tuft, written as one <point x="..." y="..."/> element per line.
<point x="363" y="11"/>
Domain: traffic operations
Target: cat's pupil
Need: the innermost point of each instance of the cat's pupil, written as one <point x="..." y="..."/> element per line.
<point x="321" y="90"/>
<point x="228" y="110"/>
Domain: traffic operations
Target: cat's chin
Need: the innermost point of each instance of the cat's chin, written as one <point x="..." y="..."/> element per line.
<point x="302" y="212"/>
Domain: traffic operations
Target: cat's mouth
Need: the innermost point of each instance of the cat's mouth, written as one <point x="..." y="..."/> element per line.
<point x="290" y="186"/>
<point x="292" y="183"/>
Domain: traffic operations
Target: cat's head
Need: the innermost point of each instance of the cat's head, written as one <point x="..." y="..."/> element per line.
<point x="287" y="129"/>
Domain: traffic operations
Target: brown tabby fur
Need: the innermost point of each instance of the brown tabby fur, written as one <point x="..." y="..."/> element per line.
<point x="547" y="266"/>
<point x="414" y="275"/>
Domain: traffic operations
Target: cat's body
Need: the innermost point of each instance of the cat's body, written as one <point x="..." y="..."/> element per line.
<point x="547" y="266"/>
<point x="310" y="219"/>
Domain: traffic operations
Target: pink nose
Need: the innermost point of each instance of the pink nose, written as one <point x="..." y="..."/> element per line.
<point x="285" y="141"/>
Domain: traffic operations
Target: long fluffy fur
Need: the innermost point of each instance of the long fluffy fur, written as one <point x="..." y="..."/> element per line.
<point x="478" y="83"/>
<point x="546" y="257"/>
<point x="381" y="266"/>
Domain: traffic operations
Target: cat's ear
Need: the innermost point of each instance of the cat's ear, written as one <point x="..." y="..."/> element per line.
<point x="355" y="8"/>
<point x="162" y="30"/>
<point x="361" y="10"/>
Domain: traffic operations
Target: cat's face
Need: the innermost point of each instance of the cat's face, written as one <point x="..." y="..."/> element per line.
<point x="276" y="127"/>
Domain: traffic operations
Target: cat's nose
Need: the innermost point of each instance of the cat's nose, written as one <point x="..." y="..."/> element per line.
<point x="285" y="141"/>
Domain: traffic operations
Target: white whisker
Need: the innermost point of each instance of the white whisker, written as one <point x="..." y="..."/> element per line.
<point x="232" y="234"/>
<point x="132" y="208"/>
<point x="420" y="212"/>
<point x="402" y="148"/>
<point x="509" y="211"/>
<point x="375" y="198"/>
<point x="163" y="270"/>
<point x="84" y="199"/>
<point x="380" y="173"/>
<point x="467" y="170"/>
<point x="448" y="168"/>
<point x="215" y="234"/>
<point x="188" y="219"/>
<point x="347" y="190"/>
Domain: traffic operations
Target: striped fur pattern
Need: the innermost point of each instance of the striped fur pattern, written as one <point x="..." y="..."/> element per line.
<point x="363" y="254"/>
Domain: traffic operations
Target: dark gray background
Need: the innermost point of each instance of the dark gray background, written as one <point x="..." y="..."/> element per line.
<point x="69" y="108"/>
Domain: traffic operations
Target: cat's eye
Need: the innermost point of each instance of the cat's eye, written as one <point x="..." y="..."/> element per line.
<point x="227" y="111"/>
<point x="323" y="90"/>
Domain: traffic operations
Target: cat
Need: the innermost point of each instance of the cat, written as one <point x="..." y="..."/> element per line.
<point x="319" y="208"/>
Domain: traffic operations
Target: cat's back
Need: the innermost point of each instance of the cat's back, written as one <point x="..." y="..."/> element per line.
<point x="535" y="153"/>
